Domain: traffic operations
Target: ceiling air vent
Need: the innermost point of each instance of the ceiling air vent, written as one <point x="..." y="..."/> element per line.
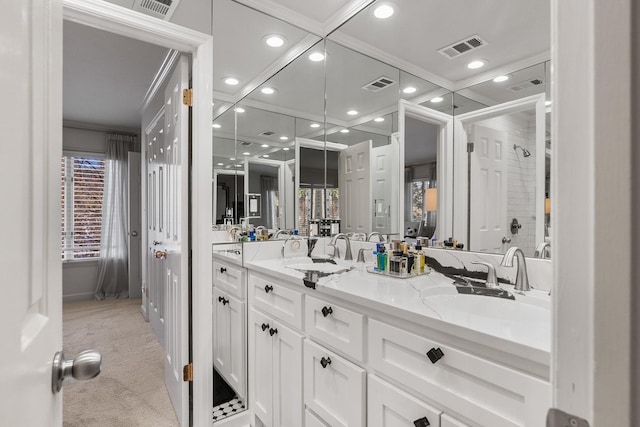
<point x="463" y="46"/>
<point x="266" y="133"/>
<point x="245" y="143"/>
<point x="526" y="84"/>
<point x="378" y="84"/>
<point x="161" y="9"/>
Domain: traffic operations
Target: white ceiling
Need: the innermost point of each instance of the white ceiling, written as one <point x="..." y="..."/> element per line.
<point x="106" y="76"/>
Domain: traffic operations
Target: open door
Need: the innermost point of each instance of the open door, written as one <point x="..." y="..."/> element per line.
<point x="355" y="186"/>
<point x="31" y="304"/>
<point x="175" y="252"/>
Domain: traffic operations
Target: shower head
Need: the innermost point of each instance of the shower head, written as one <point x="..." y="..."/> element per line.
<point x="525" y="152"/>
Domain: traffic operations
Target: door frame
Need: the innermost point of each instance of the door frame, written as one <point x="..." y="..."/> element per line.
<point x="445" y="224"/>
<point x="116" y="19"/>
<point x="461" y="187"/>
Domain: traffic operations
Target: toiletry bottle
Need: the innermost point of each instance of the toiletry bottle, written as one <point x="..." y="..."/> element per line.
<point x="381" y="257"/>
<point x="420" y="259"/>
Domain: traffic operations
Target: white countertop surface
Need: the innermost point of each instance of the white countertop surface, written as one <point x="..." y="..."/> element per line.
<point x="521" y="327"/>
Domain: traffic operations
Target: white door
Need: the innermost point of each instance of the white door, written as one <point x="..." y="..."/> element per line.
<point x="174" y="211"/>
<point x="287" y="377"/>
<point x="384" y="185"/>
<point x="134" y="229"/>
<point x="229" y="339"/>
<point x="261" y="367"/>
<point x="31" y="303"/>
<point x="355" y="188"/>
<point x="155" y="283"/>
<point x="488" y="213"/>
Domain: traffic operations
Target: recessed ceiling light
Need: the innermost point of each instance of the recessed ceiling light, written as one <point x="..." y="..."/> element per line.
<point x="383" y="11"/>
<point x="216" y="126"/>
<point x="409" y="89"/>
<point x="238" y="166"/>
<point x="285" y="149"/>
<point x="220" y="164"/>
<point x="232" y="159"/>
<point x="316" y="56"/>
<point x="239" y="110"/>
<point x="547" y="103"/>
<point x="344" y="131"/>
<point x="246" y="153"/>
<point x="268" y="90"/>
<point x="474" y="65"/>
<point x="437" y="99"/>
<point x="352" y="112"/>
<point x="379" y="119"/>
<point x="265" y="145"/>
<point x="266" y="156"/>
<point x="231" y="81"/>
<point x="500" y="79"/>
<point x="314" y="125"/>
<point x="274" y="40"/>
<point x="284" y="138"/>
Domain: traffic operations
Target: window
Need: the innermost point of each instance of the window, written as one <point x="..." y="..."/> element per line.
<point x="314" y="202"/>
<point x="82" y="188"/>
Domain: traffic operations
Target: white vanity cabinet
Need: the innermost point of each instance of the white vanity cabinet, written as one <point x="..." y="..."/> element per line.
<point x="275" y="372"/>
<point x="229" y="324"/>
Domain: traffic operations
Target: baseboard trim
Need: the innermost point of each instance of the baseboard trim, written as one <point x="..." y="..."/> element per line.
<point x="84" y="296"/>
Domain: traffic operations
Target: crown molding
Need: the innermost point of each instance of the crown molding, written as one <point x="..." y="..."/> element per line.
<point x="345" y="13"/>
<point x="285" y="14"/>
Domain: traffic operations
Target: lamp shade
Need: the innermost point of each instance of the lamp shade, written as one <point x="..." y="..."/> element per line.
<point x="547" y="206"/>
<point x="431" y="200"/>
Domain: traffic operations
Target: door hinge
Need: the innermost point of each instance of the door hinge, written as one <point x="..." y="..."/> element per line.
<point x="187" y="372"/>
<point x="187" y="97"/>
<point x="558" y="418"/>
<point x="469" y="147"/>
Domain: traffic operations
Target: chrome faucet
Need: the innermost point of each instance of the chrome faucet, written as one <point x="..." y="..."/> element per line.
<point x="542" y="250"/>
<point x="347" y="255"/>
<point x="279" y="232"/>
<point x="375" y="233"/>
<point x="233" y="232"/>
<point x="294" y="237"/>
<point x="522" y="280"/>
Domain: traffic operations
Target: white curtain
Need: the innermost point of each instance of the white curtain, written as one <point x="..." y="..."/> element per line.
<point x="113" y="276"/>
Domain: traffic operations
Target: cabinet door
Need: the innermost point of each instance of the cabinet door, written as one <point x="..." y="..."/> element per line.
<point x="448" y="421"/>
<point x="276" y="300"/>
<point x="229" y="278"/>
<point x="333" y="387"/>
<point x="221" y="333"/>
<point x="260" y="367"/>
<point x="388" y="406"/>
<point x="287" y="377"/>
<point x="237" y="363"/>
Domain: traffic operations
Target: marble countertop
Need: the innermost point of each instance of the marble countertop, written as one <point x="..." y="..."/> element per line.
<point x="520" y="326"/>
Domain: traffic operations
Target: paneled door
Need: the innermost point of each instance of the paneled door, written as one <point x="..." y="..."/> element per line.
<point x="30" y="256"/>
<point x="384" y="185"/>
<point x="355" y="187"/>
<point x="174" y="210"/>
<point x="488" y="216"/>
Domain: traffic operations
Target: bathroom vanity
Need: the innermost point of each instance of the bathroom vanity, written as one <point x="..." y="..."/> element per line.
<point x="358" y="349"/>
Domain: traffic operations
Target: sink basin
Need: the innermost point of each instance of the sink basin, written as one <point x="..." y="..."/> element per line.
<point x="520" y="321"/>
<point x="322" y="267"/>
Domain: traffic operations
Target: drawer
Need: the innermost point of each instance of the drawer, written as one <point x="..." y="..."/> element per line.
<point x="388" y="406"/>
<point x="229" y="278"/>
<point x="310" y="420"/>
<point x="335" y="326"/>
<point x="447" y="421"/>
<point x="480" y="390"/>
<point x="279" y="301"/>
<point x="334" y="388"/>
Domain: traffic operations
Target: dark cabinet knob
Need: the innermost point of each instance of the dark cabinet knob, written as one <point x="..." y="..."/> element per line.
<point x="223" y="300"/>
<point x="422" y="422"/>
<point x="273" y="331"/>
<point x="326" y="311"/>
<point x="265" y="326"/>
<point x="223" y="270"/>
<point x="325" y="361"/>
<point x="268" y="288"/>
<point x="220" y="299"/>
<point x="435" y="354"/>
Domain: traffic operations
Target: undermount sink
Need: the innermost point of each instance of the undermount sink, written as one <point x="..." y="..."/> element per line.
<point x="322" y="265"/>
<point x="521" y="320"/>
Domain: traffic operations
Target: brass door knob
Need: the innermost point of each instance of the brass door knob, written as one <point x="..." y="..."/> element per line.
<point x="161" y="254"/>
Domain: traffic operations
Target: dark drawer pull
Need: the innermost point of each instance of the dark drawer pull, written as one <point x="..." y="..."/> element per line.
<point x="223" y="300"/>
<point x="435" y="354"/>
<point x="268" y="288"/>
<point x="326" y="311"/>
<point x="272" y="331"/>
<point x="325" y="361"/>
<point x="223" y="270"/>
<point x="422" y="422"/>
<point x="265" y="326"/>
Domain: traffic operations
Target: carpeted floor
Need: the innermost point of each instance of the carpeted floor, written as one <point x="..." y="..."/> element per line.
<point x="130" y="391"/>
